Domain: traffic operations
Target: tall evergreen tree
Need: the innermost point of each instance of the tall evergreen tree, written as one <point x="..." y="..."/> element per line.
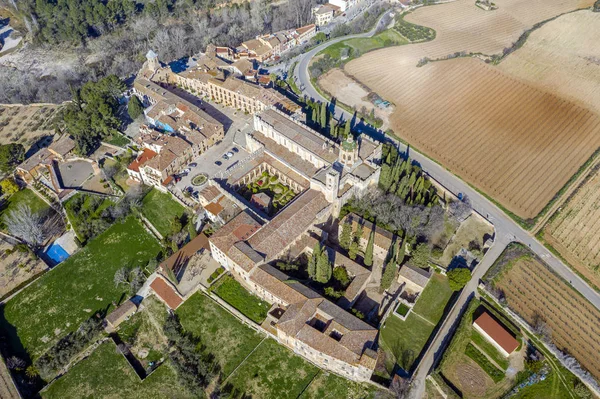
<point x="135" y="107"/>
<point x="312" y="262"/>
<point x="314" y="114"/>
<point x="389" y="273"/>
<point x="323" y="115"/>
<point x="369" y="250"/>
<point x="353" y="251"/>
<point x="346" y="236"/>
<point x="347" y="128"/>
<point x="324" y="268"/>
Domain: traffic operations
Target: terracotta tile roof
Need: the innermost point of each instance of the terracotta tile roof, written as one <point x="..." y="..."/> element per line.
<point x="359" y="275"/>
<point x="117" y="316"/>
<point x="214" y="208"/>
<point x="180" y="258"/>
<point x="144" y="157"/>
<point x="356" y="335"/>
<point x="244" y="256"/>
<point x="240" y="226"/>
<point x="415" y="274"/>
<point x="289" y="224"/>
<point x="497" y="332"/>
<point x="301" y="31"/>
<point x="302" y="135"/>
<point x="63" y="145"/>
<point x="166" y="292"/>
<point x="209" y="193"/>
<point x="280" y="285"/>
<point x="42" y="157"/>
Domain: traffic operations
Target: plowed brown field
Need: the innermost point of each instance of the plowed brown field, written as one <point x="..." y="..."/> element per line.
<point x="575" y="230"/>
<point x="532" y="289"/>
<point x="513" y="139"/>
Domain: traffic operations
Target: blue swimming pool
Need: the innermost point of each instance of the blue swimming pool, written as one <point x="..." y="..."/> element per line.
<point x="56" y="253"/>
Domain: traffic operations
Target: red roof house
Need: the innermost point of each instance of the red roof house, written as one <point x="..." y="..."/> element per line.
<point x="496" y="333"/>
<point x="166" y="293"/>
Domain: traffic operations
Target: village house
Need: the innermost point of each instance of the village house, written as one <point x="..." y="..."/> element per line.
<point x="166" y="292"/>
<point x="324" y="13"/>
<point x="343" y="4"/>
<point x="43" y="164"/>
<point x="119" y="315"/>
<point x="177" y="262"/>
<point x="413" y="279"/>
<point x="497" y="334"/>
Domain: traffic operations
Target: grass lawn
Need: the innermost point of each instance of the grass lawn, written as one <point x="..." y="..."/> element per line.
<point x="489" y="349"/>
<point x="160" y="209"/>
<point x="60" y="300"/>
<point x="224" y="335"/>
<point x="273" y="371"/>
<point x="384" y="39"/>
<point x="106" y="374"/>
<point x="405" y="337"/>
<point x="25" y="196"/>
<point x="433" y="299"/>
<point x="237" y="296"/>
<point x="327" y="385"/>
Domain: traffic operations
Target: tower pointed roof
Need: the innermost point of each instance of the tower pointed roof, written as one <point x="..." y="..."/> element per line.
<point x="151" y="54"/>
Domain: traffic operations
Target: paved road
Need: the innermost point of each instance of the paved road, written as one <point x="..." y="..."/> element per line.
<point x="506" y="229"/>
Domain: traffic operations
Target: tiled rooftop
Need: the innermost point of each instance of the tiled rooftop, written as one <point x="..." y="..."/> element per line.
<point x="301" y="135"/>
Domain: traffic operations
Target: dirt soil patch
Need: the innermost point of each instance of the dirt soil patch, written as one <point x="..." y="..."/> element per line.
<point x="496" y="130"/>
<point x="17" y="267"/>
<point x="475" y="228"/>
<point x="469" y="378"/>
<point x="26" y="124"/>
<point x="562" y="57"/>
<point x="339" y="85"/>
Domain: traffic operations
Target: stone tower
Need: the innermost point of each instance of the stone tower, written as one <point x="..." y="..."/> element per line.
<point x="348" y="151"/>
<point x="153" y="64"/>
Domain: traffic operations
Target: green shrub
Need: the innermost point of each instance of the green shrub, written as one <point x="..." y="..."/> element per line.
<point x="402" y="310"/>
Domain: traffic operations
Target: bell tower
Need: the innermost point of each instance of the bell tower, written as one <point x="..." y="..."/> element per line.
<point x="153" y="62"/>
<point x="348" y="152"/>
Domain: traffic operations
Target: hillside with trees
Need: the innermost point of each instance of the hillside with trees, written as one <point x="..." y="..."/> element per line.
<point x="74" y="41"/>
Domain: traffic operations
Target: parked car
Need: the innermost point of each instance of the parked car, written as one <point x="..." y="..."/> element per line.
<point x="225" y="157"/>
<point x="229" y="155"/>
<point x="189" y="189"/>
<point x="234" y="149"/>
<point x="218" y="163"/>
<point x="193" y="165"/>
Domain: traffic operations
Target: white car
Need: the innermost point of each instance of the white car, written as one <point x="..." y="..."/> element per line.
<point x="230" y="155"/>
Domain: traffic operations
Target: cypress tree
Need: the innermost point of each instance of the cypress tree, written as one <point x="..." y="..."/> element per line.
<point x="353" y="251"/>
<point x="314" y="117"/>
<point x="312" y="262"/>
<point x="369" y="251"/>
<point x="346" y="236"/>
<point x="324" y="268"/>
<point x="347" y="129"/>
<point x="323" y="115"/>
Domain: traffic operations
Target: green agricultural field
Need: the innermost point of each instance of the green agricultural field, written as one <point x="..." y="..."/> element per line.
<point x="237" y="296"/>
<point x="106" y="374"/>
<point x="59" y="301"/>
<point x="272" y="371"/>
<point x="160" y="209"/>
<point x="357" y="47"/>
<point x="224" y="335"/>
<point x="327" y="385"/>
<point x="404" y="340"/>
<point x="25" y="196"/>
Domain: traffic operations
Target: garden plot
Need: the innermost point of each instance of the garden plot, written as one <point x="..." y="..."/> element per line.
<point x="17" y="266"/>
<point x="162" y="211"/>
<point x="278" y="193"/>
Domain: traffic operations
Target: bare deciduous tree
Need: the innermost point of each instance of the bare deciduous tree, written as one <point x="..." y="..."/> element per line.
<point x="22" y="222"/>
<point x="121" y="276"/>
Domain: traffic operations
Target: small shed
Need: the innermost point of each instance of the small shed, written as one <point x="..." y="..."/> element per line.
<point x="120" y="314"/>
<point x="414" y="278"/>
<point x="497" y="334"/>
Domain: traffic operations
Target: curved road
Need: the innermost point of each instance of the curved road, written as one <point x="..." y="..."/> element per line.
<point x="507" y="230"/>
